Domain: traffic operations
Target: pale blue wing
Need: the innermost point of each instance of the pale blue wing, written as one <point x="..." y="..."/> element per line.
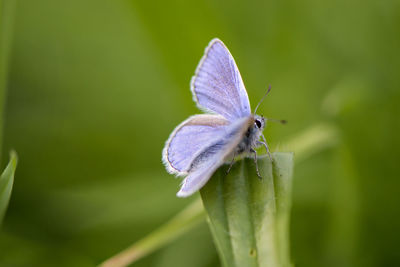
<point x="213" y="156"/>
<point x="217" y="85"/>
<point x="189" y="139"/>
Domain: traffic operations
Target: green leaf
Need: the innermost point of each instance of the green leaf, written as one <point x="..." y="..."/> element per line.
<point x="248" y="216"/>
<point x="6" y="184"/>
<point x="283" y="173"/>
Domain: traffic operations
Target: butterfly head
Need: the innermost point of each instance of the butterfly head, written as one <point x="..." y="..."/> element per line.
<point x="259" y="122"/>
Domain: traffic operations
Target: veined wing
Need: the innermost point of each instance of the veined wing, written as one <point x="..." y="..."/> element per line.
<point x="217" y="85"/>
<point x="190" y="138"/>
<point x="213" y="156"/>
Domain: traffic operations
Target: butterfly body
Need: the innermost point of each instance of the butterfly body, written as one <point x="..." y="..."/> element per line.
<point x="202" y="143"/>
<point x="251" y="138"/>
<point x="249" y="142"/>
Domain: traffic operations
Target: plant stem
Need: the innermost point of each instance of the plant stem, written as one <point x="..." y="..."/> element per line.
<point x="179" y="224"/>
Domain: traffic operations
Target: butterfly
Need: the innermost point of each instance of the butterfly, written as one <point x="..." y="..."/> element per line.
<point x="202" y="143"/>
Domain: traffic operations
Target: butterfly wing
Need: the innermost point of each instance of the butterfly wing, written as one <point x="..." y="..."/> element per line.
<point x="213" y="156"/>
<point x="217" y="85"/>
<point x="189" y="139"/>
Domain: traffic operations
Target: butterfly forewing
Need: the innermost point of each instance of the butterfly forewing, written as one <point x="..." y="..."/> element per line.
<point x="213" y="156"/>
<point x="217" y="85"/>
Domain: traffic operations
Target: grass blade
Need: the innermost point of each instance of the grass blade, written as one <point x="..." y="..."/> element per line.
<point x="6" y="184"/>
<point x="179" y="224"/>
<point x="249" y="217"/>
<point x="283" y="174"/>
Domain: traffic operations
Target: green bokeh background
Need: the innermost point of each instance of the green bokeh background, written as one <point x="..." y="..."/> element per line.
<point x="95" y="88"/>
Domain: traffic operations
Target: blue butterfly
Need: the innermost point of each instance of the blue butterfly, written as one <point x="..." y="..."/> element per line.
<point x="202" y="143"/>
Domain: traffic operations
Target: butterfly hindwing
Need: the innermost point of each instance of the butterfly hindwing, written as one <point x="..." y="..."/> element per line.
<point x="189" y="139"/>
<point x="213" y="156"/>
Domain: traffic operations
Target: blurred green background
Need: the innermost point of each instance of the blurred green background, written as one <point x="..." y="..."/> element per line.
<point x="95" y="88"/>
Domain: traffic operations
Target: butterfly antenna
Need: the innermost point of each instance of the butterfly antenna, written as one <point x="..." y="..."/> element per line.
<point x="275" y="120"/>
<point x="262" y="99"/>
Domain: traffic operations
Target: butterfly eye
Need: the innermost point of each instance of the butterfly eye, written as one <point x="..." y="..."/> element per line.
<point x="258" y="123"/>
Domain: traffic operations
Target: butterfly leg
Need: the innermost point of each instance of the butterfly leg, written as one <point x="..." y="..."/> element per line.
<point x="265" y="145"/>
<point x="255" y="161"/>
<point x="232" y="162"/>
